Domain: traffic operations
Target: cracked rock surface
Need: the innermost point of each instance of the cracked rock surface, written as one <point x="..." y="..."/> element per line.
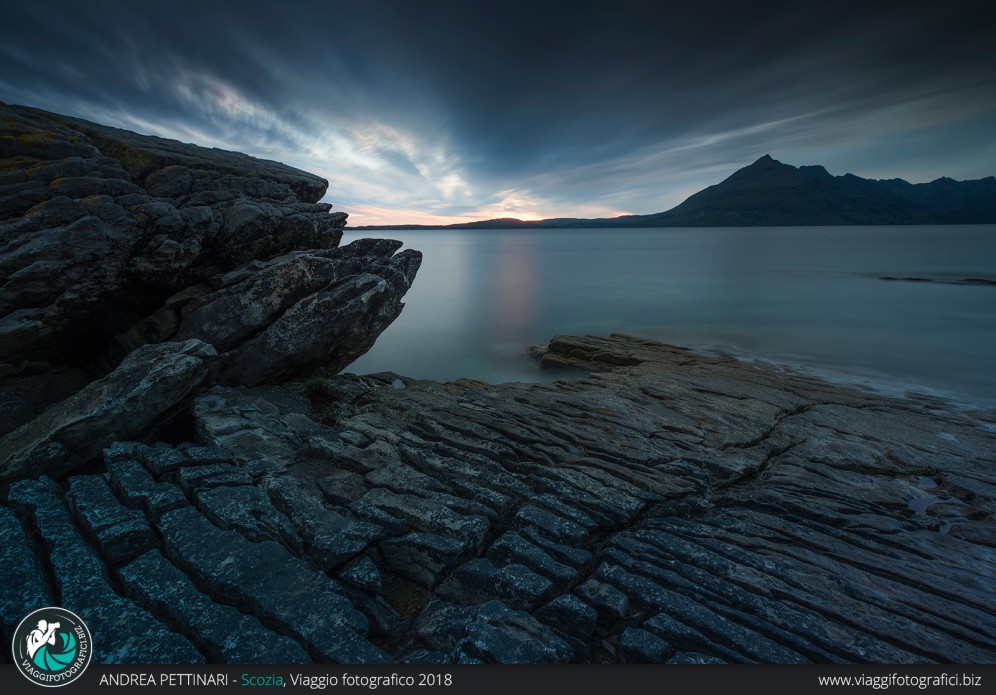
<point x="663" y="507"/>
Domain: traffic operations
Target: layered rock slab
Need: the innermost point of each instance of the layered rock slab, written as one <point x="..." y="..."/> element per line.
<point x="657" y="506"/>
<point x="122" y="631"/>
<point x="148" y="385"/>
<point x="657" y="445"/>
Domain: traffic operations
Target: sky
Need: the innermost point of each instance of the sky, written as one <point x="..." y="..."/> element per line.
<point x="423" y="111"/>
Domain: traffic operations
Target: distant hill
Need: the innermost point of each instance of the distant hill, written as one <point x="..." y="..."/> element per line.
<point x="769" y="193"/>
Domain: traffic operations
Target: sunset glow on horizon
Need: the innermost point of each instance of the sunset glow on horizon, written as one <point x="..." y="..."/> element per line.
<point x="520" y="118"/>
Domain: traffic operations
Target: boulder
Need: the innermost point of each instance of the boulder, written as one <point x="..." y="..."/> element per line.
<point x="278" y="319"/>
<point x="150" y="383"/>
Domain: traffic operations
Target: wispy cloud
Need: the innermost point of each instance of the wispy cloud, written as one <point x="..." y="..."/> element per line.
<point x="450" y="111"/>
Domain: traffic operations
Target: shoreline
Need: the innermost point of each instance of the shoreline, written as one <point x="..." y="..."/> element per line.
<point x="869" y="380"/>
<point x="927" y="337"/>
<point x="877" y="383"/>
<point x="667" y="507"/>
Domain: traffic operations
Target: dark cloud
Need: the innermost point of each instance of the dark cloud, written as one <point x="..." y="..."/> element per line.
<point x="459" y="108"/>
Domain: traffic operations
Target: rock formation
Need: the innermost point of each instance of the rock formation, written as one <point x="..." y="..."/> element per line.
<point x="665" y="507"/>
<point x="185" y="468"/>
<point x="110" y="241"/>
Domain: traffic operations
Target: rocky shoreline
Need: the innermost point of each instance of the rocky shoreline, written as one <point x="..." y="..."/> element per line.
<point x="183" y="465"/>
<point x="666" y="507"/>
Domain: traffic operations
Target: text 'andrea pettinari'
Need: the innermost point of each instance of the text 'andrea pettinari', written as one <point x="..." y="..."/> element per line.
<point x="163" y="679"/>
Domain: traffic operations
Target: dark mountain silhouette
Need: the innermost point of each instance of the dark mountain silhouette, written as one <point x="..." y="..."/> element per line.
<point x="769" y="193"/>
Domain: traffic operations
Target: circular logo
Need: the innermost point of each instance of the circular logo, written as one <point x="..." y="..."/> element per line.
<point x="52" y="647"/>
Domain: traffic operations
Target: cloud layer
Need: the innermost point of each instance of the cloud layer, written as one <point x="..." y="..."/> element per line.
<point x="451" y="111"/>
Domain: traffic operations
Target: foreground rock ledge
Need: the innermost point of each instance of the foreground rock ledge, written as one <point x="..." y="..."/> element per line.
<point x="667" y="507"/>
<point x="111" y="241"/>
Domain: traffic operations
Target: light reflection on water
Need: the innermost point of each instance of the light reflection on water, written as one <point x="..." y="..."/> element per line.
<point x="806" y="295"/>
<point x="513" y="298"/>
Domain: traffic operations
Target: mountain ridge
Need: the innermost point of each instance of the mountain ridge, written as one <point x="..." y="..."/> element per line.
<point x="771" y="193"/>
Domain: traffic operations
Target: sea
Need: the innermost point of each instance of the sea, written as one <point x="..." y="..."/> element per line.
<point x="812" y="298"/>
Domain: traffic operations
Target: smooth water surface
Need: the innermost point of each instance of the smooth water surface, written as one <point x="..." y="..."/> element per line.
<point x="809" y="296"/>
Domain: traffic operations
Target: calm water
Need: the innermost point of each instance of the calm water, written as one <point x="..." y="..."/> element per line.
<point x="808" y="296"/>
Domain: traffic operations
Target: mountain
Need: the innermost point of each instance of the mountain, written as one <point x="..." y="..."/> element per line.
<point x="965" y="198"/>
<point x="770" y="193"/>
